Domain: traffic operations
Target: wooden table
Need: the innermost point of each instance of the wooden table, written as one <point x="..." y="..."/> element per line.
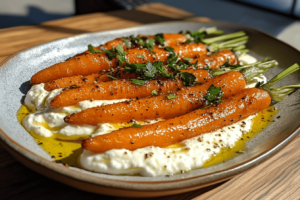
<point x="277" y="178"/>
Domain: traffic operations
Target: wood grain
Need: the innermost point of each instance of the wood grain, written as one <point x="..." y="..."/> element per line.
<point x="277" y="178"/>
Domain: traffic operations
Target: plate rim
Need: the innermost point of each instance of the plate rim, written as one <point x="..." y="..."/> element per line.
<point x="61" y="170"/>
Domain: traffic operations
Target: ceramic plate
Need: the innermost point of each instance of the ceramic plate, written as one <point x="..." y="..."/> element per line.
<point x="15" y="73"/>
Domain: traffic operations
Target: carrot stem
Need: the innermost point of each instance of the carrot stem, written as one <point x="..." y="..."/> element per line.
<point x="279" y="94"/>
<point x="281" y="75"/>
<point x="239" y="47"/>
<point x="228" y="44"/>
<point x="224" y="37"/>
<point x="250" y="70"/>
<point x="257" y="69"/>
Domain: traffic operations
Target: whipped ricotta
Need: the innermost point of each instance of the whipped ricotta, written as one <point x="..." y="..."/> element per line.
<point x="156" y="161"/>
<point x="47" y="121"/>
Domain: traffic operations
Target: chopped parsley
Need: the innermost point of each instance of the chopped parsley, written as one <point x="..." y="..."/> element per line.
<point x="213" y="95"/>
<point x="150" y="44"/>
<point x="111" y="77"/>
<point x="195" y="65"/>
<point x="110" y="53"/>
<point x="138" y="82"/>
<point x="229" y="66"/>
<point x="160" y="39"/>
<point x="188" y="79"/>
<point x="259" y="84"/>
<point x="121" y="59"/>
<point x="139" y="56"/>
<point x="92" y="50"/>
<point x="187" y="59"/>
<point x="135" y="67"/>
<point x="172" y="59"/>
<point x="182" y="65"/>
<point x="150" y="70"/>
<point x="120" y="50"/>
<point x="126" y="40"/>
<point x="197" y="36"/>
<point x="162" y="70"/>
<point x="171" y="96"/>
<point x="154" y="92"/>
<point x="136" y="125"/>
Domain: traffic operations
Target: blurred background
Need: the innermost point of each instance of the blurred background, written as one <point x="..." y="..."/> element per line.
<point x="276" y="17"/>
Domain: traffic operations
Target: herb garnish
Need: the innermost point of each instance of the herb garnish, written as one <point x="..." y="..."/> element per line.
<point x="121" y="59"/>
<point x="92" y="50"/>
<point x="136" y="125"/>
<point x="171" y="96"/>
<point x="162" y="70"/>
<point x="126" y="40"/>
<point x="229" y="66"/>
<point x="138" y="82"/>
<point x="111" y="53"/>
<point x="160" y="39"/>
<point x="197" y="36"/>
<point x="213" y="95"/>
<point x="134" y="67"/>
<point x="195" y="65"/>
<point x="187" y="59"/>
<point x="188" y="79"/>
<point x="111" y="77"/>
<point x="259" y="84"/>
<point x="154" y="92"/>
<point x="139" y="56"/>
<point x="120" y="50"/>
<point x="150" y="44"/>
<point x="182" y="65"/>
<point x="150" y="70"/>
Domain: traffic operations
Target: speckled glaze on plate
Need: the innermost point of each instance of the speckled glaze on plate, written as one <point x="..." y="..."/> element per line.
<point x="15" y="73"/>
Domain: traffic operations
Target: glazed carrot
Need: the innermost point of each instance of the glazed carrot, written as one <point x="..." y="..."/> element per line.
<point x="214" y="61"/>
<point x="188" y="99"/>
<point x="172" y="131"/>
<point x="92" y="63"/>
<point x="120" y="89"/>
<point x="171" y="39"/>
<point x="85" y="80"/>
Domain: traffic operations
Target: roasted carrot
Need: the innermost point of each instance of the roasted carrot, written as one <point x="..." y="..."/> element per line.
<point x="162" y="134"/>
<point x="214" y="61"/>
<point x="171" y="39"/>
<point x="187" y="99"/>
<point x="85" y="80"/>
<point x="172" y="131"/>
<point x="92" y="63"/>
<point x="120" y="89"/>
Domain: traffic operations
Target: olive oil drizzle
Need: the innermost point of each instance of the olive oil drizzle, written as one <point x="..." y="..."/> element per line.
<point x="68" y="152"/>
<point x="260" y="122"/>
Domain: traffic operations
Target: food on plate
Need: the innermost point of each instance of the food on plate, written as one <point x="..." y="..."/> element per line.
<point x="92" y="63"/>
<point x="185" y="100"/>
<point x="121" y="89"/>
<point x="139" y="103"/>
<point x="213" y="61"/>
<point x="172" y="131"/>
<point x="88" y="63"/>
